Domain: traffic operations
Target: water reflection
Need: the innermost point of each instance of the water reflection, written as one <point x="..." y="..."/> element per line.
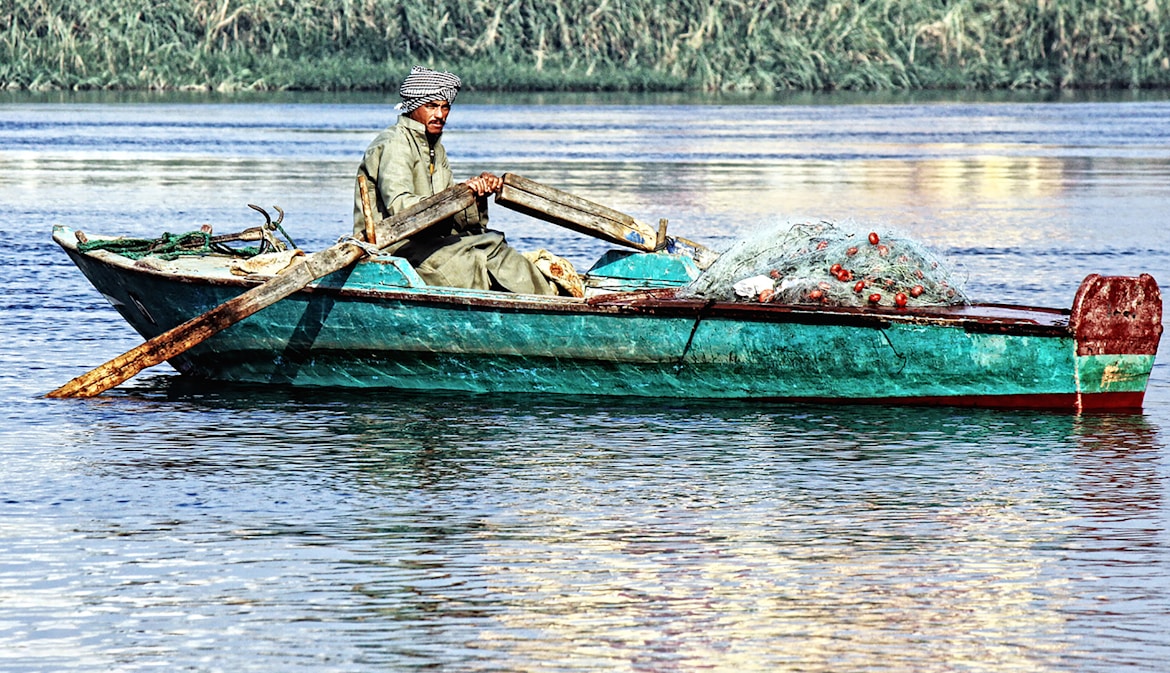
<point x="1120" y="531"/>
<point x="561" y="533"/>
<point x="176" y="524"/>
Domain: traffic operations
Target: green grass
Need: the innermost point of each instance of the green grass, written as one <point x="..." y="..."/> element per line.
<point x="586" y="45"/>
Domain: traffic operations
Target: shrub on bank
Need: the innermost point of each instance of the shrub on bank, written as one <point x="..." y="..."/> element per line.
<point x="619" y="45"/>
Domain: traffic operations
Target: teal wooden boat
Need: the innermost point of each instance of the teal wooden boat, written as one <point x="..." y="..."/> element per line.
<point x="377" y="325"/>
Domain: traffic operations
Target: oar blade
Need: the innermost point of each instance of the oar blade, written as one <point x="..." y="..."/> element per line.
<point x="196" y="330"/>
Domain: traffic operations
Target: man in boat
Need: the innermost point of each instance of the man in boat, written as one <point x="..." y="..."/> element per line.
<point x="406" y="163"/>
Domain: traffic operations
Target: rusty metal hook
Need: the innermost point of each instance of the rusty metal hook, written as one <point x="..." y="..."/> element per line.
<point x="269" y="224"/>
<point x="267" y="217"/>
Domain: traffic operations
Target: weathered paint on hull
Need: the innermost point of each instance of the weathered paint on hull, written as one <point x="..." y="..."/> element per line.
<point x="503" y="374"/>
<point x="872" y="373"/>
<point x="336" y="335"/>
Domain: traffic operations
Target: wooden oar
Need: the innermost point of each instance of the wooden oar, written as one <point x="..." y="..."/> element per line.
<point x="573" y="212"/>
<point x="193" y="332"/>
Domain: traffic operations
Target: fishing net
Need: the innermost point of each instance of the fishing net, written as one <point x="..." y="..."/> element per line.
<point x="834" y="264"/>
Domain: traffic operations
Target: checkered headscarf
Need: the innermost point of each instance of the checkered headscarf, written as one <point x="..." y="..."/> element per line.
<point x="424" y="85"/>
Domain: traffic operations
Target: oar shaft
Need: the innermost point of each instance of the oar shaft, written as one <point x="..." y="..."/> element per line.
<point x="593" y="219"/>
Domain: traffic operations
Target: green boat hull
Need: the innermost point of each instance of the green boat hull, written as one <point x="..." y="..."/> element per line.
<point x="375" y="326"/>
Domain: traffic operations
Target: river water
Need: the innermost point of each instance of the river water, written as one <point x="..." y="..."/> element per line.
<point x="173" y="526"/>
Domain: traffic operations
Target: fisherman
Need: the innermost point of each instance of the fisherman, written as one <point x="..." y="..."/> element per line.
<point x="406" y="163"/>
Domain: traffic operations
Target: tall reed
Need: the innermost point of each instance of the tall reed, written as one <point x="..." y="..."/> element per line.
<point x="716" y="45"/>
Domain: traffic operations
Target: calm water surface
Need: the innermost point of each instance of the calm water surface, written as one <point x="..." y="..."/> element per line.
<point x="172" y="526"/>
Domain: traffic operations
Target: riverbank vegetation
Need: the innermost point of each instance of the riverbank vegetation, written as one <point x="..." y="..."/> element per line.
<point x="601" y="45"/>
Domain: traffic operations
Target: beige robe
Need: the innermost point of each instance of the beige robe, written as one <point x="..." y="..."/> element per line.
<point x="404" y="167"/>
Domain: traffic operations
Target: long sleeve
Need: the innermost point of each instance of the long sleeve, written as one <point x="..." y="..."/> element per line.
<point x="400" y="172"/>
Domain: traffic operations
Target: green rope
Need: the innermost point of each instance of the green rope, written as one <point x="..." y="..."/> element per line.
<point x="285" y="234"/>
<point x="166" y="247"/>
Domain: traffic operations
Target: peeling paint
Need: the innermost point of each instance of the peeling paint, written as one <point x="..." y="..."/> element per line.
<point x="377" y="328"/>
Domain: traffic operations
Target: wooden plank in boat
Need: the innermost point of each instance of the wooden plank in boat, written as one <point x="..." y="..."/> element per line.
<point x="573" y="212"/>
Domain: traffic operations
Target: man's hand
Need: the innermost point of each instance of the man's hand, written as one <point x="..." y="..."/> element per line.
<point x="485" y="183"/>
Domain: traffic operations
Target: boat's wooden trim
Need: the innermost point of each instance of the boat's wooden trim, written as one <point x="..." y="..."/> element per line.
<point x="1021" y="320"/>
<point x="981" y="318"/>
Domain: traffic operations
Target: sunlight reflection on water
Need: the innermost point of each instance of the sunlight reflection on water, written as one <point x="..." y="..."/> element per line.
<point x="169" y="524"/>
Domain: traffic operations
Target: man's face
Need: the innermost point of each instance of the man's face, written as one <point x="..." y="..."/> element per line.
<point x="432" y="115"/>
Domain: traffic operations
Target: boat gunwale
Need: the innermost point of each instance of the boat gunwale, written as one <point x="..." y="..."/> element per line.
<point x="1051" y="322"/>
